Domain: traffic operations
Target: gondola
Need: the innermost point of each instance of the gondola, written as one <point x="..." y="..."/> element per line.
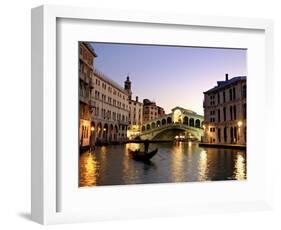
<point x="142" y="156"/>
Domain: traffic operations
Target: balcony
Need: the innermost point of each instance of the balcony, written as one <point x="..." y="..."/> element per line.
<point x="92" y="84"/>
<point x="85" y="78"/>
<point x="91" y="102"/>
<point x="84" y="99"/>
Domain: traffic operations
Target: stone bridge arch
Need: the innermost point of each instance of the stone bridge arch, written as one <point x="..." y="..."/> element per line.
<point x="159" y="133"/>
<point x="180" y="119"/>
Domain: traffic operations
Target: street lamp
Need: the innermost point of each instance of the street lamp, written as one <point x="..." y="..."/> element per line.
<point x="239" y="123"/>
<point x="91" y="138"/>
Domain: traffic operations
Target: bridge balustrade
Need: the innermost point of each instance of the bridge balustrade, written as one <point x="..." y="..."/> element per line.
<point x="174" y="125"/>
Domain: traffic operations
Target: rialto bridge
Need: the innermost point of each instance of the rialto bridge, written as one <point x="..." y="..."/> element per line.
<point x="181" y="123"/>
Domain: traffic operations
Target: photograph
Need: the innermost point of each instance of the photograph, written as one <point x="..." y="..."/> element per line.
<point x="153" y="113"/>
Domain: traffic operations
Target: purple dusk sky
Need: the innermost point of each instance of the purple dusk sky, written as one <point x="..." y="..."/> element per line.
<point x="170" y="75"/>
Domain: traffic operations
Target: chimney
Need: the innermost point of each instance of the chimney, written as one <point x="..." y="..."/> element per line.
<point x="226" y="76"/>
<point x="137" y="99"/>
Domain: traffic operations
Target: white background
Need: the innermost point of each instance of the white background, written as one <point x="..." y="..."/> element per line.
<point x="15" y="113"/>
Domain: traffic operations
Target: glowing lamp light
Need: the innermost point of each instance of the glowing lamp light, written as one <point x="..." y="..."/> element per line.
<point x="239" y="123"/>
<point x="92" y="128"/>
<point x="104" y="129"/>
<point x="204" y="126"/>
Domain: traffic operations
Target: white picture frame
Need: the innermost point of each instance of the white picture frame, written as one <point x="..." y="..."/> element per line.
<point x="46" y="165"/>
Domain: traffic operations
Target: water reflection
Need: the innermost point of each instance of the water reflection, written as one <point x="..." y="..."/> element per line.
<point x="203" y="166"/>
<point x="88" y="170"/>
<point x="181" y="162"/>
<point x="177" y="162"/>
<point x="240" y="167"/>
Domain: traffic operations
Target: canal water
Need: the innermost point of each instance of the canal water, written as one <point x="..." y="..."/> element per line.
<point x="175" y="162"/>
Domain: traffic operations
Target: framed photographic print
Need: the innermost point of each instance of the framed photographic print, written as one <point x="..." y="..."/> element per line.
<point x="154" y="137"/>
<point x="140" y="114"/>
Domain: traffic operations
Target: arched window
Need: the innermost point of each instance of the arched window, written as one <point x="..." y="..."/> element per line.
<point x="164" y="122"/>
<point x="219" y="134"/>
<point x="230" y="94"/>
<point x="235" y="134"/>
<point x="234" y="93"/>
<point x="99" y="130"/>
<point x="169" y="120"/>
<point x="115" y="132"/>
<point x="224" y="114"/>
<point x="148" y="127"/>
<point x="143" y="128"/>
<point x="158" y="124"/>
<point x="105" y="131"/>
<point x="225" y="134"/>
<point x="197" y="123"/>
<point x="153" y="125"/>
<point x="244" y="91"/>
<point x="231" y="135"/>
<point x="191" y="122"/>
<point x="110" y="132"/>
<point x="185" y="120"/>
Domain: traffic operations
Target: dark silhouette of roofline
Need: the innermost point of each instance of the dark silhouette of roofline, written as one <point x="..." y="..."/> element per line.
<point x="224" y="84"/>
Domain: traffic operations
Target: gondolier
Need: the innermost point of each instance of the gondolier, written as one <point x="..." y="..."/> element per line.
<point x="142" y="156"/>
<point x="146" y="145"/>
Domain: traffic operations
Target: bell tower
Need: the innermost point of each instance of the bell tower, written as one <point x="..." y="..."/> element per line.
<point x="128" y="87"/>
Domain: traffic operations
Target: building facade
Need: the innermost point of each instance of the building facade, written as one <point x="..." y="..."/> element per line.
<point x="151" y="111"/>
<point x="110" y="117"/>
<point x="135" y="111"/>
<point x="161" y="111"/>
<point x="86" y="68"/>
<point x="225" y="109"/>
<point x="135" y="118"/>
